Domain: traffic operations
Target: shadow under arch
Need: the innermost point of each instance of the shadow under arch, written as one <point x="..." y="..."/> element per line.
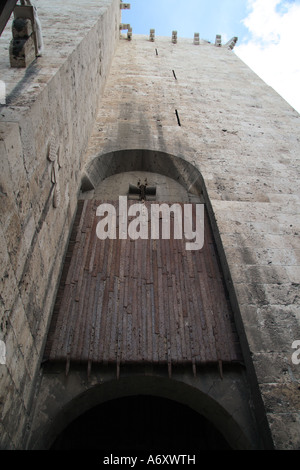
<point x="229" y="432"/>
<point x="105" y="165"/>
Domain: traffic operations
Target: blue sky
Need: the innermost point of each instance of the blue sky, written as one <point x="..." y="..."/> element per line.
<point x="187" y="17"/>
<point x="267" y="32"/>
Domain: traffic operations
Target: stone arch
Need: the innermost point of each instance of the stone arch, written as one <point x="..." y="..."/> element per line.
<point x="218" y="407"/>
<point x="105" y="165"/>
<point x="102" y="166"/>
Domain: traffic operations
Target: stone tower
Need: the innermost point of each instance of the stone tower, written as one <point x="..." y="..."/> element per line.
<point x="95" y="328"/>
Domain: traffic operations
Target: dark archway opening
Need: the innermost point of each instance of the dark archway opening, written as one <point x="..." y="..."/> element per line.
<point x="141" y="423"/>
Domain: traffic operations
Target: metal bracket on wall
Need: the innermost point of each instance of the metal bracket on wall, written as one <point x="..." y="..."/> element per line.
<point x="142" y="190"/>
<point x="54" y="156"/>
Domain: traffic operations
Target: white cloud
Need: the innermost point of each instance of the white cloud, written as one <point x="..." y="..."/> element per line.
<point x="272" y="50"/>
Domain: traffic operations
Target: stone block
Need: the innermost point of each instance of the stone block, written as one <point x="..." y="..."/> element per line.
<point x="21" y="28"/>
<point x="218" y="41"/>
<point x="152" y="35"/>
<point x="21" y="52"/>
<point x="285" y="430"/>
<point x="16" y="246"/>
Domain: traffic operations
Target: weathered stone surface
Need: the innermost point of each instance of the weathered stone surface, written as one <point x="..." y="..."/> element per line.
<point x="49" y="97"/>
<point x="238" y="133"/>
<point x="21" y="28"/>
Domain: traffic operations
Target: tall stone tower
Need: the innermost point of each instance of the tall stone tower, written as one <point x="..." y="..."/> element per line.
<point x="140" y="331"/>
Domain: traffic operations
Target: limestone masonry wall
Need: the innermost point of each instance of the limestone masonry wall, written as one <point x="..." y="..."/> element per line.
<point x="91" y="94"/>
<point x="50" y="106"/>
<point x="244" y="139"/>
